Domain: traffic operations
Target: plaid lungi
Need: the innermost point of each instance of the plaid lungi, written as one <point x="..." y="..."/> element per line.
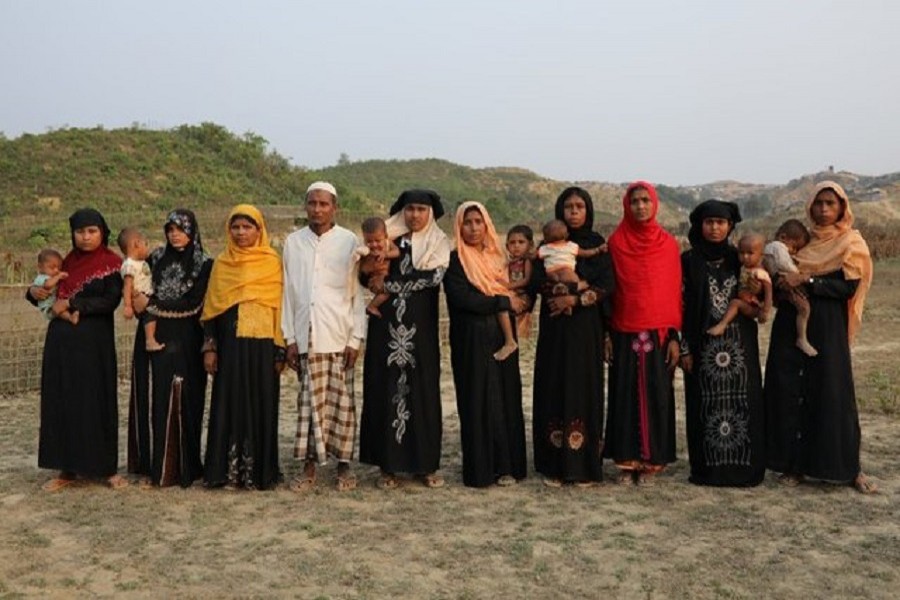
<point x="326" y="420"/>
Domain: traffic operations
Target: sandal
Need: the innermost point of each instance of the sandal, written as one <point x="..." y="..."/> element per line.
<point x="625" y="478"/>
<point x="790" y="480"/>
<point x="585" y="484"/>
<point x="552" y="482"/>
<point x="306" y="480"/>
<point x="864" y="485"/>
<point x="387" y="481"/>
<point x="646" y="479"/>
<point x="345" y="479"/>
<point x="506" y="480"/>
<point x="116" y="482"/>
<point x="58" y="483"/>
<point x="432" y="480"/>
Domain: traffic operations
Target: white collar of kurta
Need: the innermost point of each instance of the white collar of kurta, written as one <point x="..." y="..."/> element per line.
<point x="430" y="246"/>
<point x="312" y="234"/>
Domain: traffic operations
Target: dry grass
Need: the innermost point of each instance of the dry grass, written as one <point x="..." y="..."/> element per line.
<point x="673" y="540"/>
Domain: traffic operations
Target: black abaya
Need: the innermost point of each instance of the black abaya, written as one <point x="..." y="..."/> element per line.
<point x="812" y="419"/>
<point x="488" y="392"/>
<point x="401" y="427"/>
<point x="723" y="394"/>
<point x="79" y="399"/>
<point x="242" y="440"/>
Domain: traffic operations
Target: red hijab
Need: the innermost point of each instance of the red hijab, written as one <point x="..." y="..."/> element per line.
<point x="85" y="267"/>
<point x="647" y="264"/>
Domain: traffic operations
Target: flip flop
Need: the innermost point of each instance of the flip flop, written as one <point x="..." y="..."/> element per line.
<point x="433" y="480"/>
<point x="58" y="483"/>
<point x="506" y="480"/>
<point x="116" y="482"/>
<point x="625" y="478"/>
<point x="552" y="482"/>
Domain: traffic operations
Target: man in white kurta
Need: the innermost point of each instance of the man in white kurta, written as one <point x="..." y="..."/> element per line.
<point x="323" y="321"/>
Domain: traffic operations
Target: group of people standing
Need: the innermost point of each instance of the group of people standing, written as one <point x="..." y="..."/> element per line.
<point x="638" y="304"/>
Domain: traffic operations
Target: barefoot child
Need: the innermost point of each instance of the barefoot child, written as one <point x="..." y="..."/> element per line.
<point x="137" y="278"/>
<point x="49" y="275"/>
<point x="559" y="254"/>
<point x="376" y="254"/>
<point x="519" y="246"/>
<point x="778" y="258"/>
<point x="754" y="282"/>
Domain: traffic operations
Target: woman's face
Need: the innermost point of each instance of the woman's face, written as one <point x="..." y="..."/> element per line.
<point x="640" y="205"/>
<point x="176" y="237"/>
<point x="574" y="212"/>
<point x="716" y="229"/>
<point x="88" y="239"/>
<point x="826" y="208"/>
<point x="244" y="234"/>
<point x="416" y="216"/>
<point x="473" y="228"/>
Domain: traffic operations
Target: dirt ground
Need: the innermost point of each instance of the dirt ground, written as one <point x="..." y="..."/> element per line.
<point x="672" y="540"/>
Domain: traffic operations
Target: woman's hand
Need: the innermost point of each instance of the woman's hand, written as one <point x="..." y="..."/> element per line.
<point x="673" y="354"/>
<point x="39" y="293"/>
<point x="607" y="350"/>
<point x="211" y="361"/>
<point x="559" y="304"/>
<point x="789" y="281"/>
<point x="139" y="303"/>
<point x="59" y="307"/>
<point x="518" y="304"/>
<point x="687" y="363"/>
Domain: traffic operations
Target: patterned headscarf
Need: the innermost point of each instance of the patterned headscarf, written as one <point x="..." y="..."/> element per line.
<point x="176" y="271"/>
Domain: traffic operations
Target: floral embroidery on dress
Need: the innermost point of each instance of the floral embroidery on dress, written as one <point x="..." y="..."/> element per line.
<point x="723" y="376"/>
<point x="575" y="436"/>
<point x="401" y="345"/>
<point x="399" y="400"/>
<point x="402" y="338"/>
<point x="555" y="434"/>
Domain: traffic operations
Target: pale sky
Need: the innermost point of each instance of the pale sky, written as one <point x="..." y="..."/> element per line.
<point x="674" y="92"/>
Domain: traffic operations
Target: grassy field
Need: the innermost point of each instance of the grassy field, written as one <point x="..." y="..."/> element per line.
<point x="671" y="540"/>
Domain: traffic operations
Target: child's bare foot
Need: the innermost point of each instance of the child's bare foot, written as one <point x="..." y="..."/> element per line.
<point x="153" y="345"/>
<point x="806" y="347"/>
<point x="717" y="330"/>
<point x="505" y="351"/>
<point x="373" y="310"/>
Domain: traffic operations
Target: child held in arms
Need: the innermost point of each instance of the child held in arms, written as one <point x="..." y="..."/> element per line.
<point x="138" y="279"/>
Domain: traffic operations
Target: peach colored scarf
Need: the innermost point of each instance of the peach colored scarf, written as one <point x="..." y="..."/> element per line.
<point x="839" y="246"/>
<point x="485" y="267"/>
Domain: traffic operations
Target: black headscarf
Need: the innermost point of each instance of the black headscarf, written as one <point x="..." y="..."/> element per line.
<point x="426" y="197"/>
<point x="713" y="208"/>
<point x="584" y="236"/>
<point x="695" y="267"/>
<point x="86" y="217"/>
<point x="174" y="271"/>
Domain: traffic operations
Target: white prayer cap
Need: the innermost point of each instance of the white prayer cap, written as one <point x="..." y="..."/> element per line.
<point x="322" y="185"/>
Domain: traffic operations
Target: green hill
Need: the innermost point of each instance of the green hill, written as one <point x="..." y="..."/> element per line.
<point x="135" y="175"/>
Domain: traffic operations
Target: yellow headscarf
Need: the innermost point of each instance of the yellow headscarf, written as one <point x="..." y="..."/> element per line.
<point x="485" y="267"/>
<point x="250" y="278"/>
<point x="838" y="246"/>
